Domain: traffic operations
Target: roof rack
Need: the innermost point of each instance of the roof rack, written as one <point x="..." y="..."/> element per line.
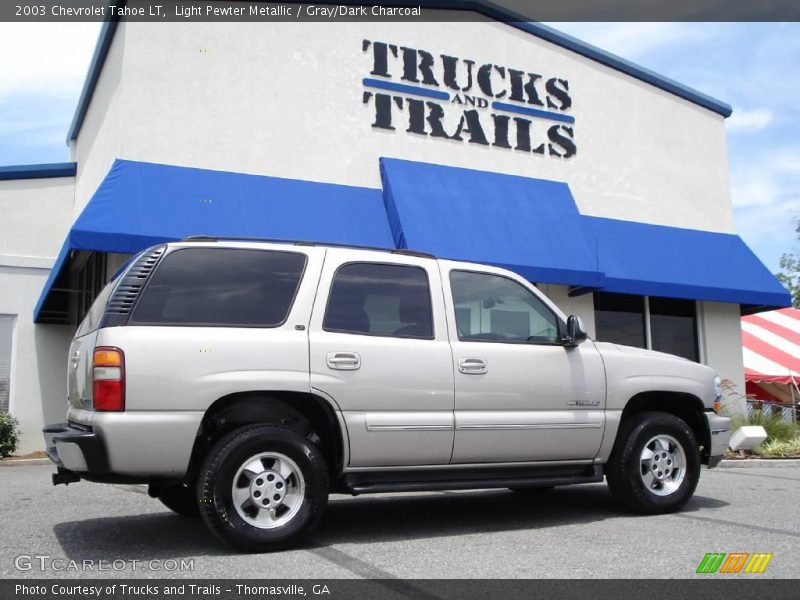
<point x="225" y="238"/>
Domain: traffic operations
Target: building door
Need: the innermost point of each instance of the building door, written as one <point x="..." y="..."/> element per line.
<point x="6" y="347"/>
<point x="380" y="350"/>
<point x="521" y="395"/>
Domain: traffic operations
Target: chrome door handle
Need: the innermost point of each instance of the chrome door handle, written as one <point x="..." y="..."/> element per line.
<point x="473" y="366"/>
<point x="344" y="361"/>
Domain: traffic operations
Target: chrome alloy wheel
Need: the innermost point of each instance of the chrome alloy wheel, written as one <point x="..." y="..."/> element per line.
<point x="662" y="465"/>
<point x="268" y="490"/>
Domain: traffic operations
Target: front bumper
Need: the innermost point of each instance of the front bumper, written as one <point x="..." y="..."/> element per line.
<point x="76" y="449"/>
<point x="719" y="429"/>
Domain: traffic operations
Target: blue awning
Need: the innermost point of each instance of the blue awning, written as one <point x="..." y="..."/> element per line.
<point x="653" y="260"/>
<point x="530" y="226"/>
<point x="533" y="227"/>
<point x="141" y="204"/>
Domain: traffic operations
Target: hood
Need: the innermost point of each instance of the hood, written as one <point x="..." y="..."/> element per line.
<point x="642" y="352"/>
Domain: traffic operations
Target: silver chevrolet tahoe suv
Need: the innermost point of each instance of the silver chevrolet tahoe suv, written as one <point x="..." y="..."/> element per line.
<point x="245" y="380"/>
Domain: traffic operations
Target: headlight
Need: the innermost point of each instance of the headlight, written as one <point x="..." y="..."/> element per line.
<point x="717" y="394"/>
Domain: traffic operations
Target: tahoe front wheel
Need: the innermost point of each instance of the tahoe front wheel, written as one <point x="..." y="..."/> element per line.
<point x="655" y="464"/>
<point x="262" y="488"/>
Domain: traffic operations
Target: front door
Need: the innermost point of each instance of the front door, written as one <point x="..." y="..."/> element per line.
<point x="521" y="395"/>
<point x="380" y="350"/>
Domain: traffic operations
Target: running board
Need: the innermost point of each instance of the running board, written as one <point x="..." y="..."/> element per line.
<point x="372" y="482"/>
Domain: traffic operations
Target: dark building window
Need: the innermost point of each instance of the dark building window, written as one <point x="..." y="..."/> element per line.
<point x="619" y="318"/>
<point x="623" y="319"/>
<point x="380" y="299"/>
<point x="90" y="279"/>
<point x="673" y="327"/>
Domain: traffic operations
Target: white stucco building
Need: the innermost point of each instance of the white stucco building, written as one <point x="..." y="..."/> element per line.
<point x="602" y="182"/>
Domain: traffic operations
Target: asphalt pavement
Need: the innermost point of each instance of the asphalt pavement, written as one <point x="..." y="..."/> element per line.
<point x="92" y="530"/>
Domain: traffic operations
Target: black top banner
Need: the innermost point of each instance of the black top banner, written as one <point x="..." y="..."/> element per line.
<point x="398" y="10"/>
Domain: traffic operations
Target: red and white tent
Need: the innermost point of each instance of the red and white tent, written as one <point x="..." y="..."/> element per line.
<point x="771" y="352"/>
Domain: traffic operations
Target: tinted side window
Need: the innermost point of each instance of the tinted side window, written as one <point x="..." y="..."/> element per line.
<point x="221" y="286"/>
<point x="495" y="308"/>
<point x="380" y="299"/>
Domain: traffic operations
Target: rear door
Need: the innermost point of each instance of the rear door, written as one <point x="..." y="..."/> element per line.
<point x="216" y="320"/>
<point x="380" y="350"/>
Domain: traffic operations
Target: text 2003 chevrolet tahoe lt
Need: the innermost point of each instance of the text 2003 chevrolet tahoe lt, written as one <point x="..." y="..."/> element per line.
<point x="245" y="380"/>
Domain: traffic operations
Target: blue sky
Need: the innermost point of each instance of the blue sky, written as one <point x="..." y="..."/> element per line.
<point x="755" y="67"/>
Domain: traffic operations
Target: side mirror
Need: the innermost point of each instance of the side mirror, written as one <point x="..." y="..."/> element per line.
<point x="576" y="332"/>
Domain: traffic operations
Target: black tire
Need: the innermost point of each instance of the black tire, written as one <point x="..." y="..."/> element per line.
<point x="180" y="499"/>
<point x="533" y="490"/>
<point x="625" y="468"/>
<point x="238" y="448"/>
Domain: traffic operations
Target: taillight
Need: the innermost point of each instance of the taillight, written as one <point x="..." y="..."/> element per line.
<point x="108" y="374"/>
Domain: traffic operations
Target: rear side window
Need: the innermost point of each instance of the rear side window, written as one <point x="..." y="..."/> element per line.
<point x="221" y="286"/>
<point x="380" y="299"/>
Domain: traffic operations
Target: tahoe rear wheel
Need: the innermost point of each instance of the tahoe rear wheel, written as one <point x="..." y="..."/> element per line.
<point x="262" y="487"/>
<point x="180" y="498"/>
<point x="655" y="464"/>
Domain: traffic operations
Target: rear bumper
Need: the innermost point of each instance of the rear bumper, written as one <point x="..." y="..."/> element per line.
<point x="124" y="446"/>
<point x="76" y="449"/>
<point x="80" y="453"/>
<point x="720" y="434"/>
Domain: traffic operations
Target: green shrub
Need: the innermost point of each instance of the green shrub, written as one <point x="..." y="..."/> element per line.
<point x="793" y="446"/>
<point x="776" y="428"/>
<point x="779" y="448"/>
<point x="9" y="434"/>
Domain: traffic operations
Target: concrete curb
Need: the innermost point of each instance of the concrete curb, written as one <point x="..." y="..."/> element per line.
<point x="25" y="462"/>
<point x="750" y="463"/>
